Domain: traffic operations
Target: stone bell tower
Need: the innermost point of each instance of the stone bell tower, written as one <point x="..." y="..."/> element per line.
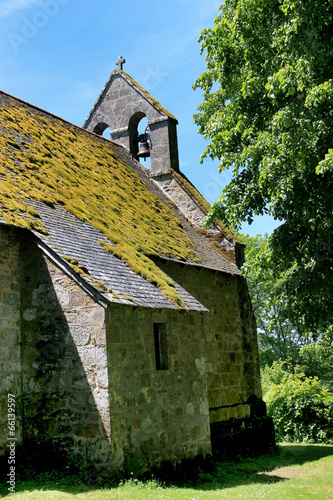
<point x="121" y="105"/>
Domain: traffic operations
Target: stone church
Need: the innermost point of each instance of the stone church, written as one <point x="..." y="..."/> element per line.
<point x="126" y="327"/>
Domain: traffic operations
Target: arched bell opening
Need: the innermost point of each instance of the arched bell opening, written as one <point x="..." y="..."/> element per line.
<point x="139" y="137"/>
<point x="107" y="133"/>
<point x="102" y="129"/>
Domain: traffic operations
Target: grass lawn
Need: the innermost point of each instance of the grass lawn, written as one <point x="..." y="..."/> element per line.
<point x="298" y="471"/>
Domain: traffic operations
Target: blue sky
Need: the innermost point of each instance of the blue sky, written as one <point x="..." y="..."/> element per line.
<point x="58" y="54"/>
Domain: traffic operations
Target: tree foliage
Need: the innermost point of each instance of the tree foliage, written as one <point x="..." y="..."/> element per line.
<point x="301" y="407"/>
<point x="316" y="359"/>
<point x="267" y="114"/>
<point x="279" y="338"/>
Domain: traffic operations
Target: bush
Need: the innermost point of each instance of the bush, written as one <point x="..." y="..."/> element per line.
<point x="316" y="359"/>
<point x="301" y="407"/>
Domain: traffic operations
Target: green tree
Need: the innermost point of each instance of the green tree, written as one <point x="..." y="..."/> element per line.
<point x="267" y="114"/>
<point x="278" y="338"/>
<point x="316" y="359"/>
<point x="301" y="407"/>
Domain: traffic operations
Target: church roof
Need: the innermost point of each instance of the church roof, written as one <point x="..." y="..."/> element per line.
<point x="95" y="210"/>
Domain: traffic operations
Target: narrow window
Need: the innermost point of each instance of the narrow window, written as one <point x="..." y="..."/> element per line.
<point x="161" y="347"/>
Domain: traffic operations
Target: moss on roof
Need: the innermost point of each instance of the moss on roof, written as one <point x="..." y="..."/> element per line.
<point x="155" y="103"/>
<point x="49" y="160"/>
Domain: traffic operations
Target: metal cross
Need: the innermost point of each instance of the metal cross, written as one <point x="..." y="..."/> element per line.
<point x="120" y="62"/>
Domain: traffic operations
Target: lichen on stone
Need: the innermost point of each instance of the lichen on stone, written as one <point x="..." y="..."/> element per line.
<point x="217" y="241"/>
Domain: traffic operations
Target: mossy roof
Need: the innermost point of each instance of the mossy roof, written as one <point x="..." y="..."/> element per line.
<point x="48" y="162"/>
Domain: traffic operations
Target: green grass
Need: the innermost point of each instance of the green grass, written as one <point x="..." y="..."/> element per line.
<point x="298" y="471"/>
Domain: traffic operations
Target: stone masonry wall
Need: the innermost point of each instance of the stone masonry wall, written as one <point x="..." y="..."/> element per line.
<point x="10" y="363"/>
<point x="121" y="102"/>
<point x="157" y="415"/>
<point x="64" y="364"/>
<point x="93" y="385"/>
<point x="231" y="352"/>
<point x="171" y="187"/>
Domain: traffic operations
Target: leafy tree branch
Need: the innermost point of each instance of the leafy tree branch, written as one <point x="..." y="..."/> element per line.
<point x="267" y="114"/>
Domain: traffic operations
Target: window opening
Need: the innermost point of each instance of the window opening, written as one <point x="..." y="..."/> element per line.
<point x="107" y="133"/>
<point x="102" y="129"/>
<point x="137" y="126"/>
<point x="142" y="128"/>
<point x="161" y="347"/>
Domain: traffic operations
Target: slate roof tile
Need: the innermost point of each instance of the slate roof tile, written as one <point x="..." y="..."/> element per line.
<point x="69" y="237"/>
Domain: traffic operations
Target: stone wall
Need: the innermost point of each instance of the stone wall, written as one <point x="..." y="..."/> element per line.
<point x="53" y="357"/>
<point x="64" y="364"/>
<point x="121" y="106"/>
<point x="238" y="419"/>
<point x="186" y="204"/>
<point x="231" y="353"/>
<point x="107" y="387"/>
<point x="157" y="414"/>
<point x="196" y="214"/>
<point x="10" y="362"/>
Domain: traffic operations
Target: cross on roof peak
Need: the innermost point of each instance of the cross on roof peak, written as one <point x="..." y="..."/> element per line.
<point x="121" y="61"/>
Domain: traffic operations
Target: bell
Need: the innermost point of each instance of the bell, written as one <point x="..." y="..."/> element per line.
<point x="144" y="150"/>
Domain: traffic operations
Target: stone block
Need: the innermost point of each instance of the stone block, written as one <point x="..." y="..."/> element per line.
<point x="102" y="378"/>
<point x="63" y="295"/>
<point x="196" y="433"/>
<point x="76" y="297"/>
<point x="80" y="335"/>
<point x="6" y="312"/>
<point x="10" y="299"/>
<point x="9" y="336"/>
<point x="91" y="316"/>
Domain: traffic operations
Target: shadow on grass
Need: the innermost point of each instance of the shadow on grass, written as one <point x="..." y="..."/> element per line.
<point x="215" y="476"/>
<point x="259" y="470"/>
<point x="70" y="484"/>
<point x="299" y="454"/>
